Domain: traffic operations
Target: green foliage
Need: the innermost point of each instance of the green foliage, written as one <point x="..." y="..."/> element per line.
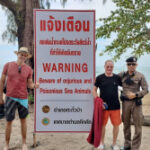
<point x="130" y="22"/>
<point x="31" y="99"/>
<point x="45" y="4"/>
<point x="11" y="32"/>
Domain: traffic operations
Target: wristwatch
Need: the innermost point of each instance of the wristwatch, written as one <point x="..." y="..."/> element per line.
<point x="136" y="94"/>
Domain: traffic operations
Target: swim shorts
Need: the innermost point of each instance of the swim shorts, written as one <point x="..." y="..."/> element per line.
<point x="10" y="109"/>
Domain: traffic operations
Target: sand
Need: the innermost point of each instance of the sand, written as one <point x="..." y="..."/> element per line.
<point x="68" y="141"/>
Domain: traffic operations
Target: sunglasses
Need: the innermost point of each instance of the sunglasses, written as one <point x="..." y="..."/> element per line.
<point x="131" y="64"/>
<point x="19" y="69"/>
<point x="23" y="55"/>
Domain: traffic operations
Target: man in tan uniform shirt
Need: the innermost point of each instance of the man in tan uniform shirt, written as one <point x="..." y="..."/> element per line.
<point x="134" y="88"/>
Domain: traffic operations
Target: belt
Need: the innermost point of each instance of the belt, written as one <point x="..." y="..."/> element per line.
<point x="124" y="98"/>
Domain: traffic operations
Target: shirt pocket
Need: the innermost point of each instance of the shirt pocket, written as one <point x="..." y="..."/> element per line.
<point x="136" y="81"/>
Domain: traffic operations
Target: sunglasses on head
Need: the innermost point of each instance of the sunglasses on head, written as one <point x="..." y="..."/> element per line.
<point x="19" y="69"/>
<point x="131" y="64"/>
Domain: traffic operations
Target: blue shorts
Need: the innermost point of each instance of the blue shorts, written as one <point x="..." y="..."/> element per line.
<point x="10" y="109"/>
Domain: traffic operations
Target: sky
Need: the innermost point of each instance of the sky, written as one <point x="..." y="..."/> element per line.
<point x="102" y="10"/>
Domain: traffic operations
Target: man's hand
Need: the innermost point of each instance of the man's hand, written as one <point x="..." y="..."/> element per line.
<point x="36" y="85"/>
<point x="131" y="95"/>
<point x="32" y="85"/>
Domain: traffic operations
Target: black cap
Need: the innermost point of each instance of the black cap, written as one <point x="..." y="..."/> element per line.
<point x="131" y="59"/>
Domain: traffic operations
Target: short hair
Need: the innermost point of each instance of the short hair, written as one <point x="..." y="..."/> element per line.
<point x="109" y="60"/>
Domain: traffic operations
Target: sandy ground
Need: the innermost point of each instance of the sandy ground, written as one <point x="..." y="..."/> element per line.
<point x="68" y="141"/>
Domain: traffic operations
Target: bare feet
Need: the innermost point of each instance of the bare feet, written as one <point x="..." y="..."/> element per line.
<point x="24" y="147"/>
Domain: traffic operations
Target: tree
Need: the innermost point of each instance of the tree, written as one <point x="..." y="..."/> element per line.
<point x="20" y="21"/>
<point x="130" y="22"/>
<point x="20" y="26"/>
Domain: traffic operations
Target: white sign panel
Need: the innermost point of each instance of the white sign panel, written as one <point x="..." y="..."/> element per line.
<point x="65" y="69"/>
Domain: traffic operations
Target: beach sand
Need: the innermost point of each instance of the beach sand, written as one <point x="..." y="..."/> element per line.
<point x="68" y="141"/>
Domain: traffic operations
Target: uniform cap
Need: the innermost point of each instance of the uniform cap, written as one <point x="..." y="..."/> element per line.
<point x="131" y="59"/>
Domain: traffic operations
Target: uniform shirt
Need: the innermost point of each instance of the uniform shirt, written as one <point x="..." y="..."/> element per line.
<point x="109" y="90"/>
<point x="138" y="81"/>
<point x="17" y="82"/>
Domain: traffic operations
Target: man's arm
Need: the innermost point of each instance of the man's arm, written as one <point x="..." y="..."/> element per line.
<point x="95" y="92"/>
<point x="32" y="85"/>
<point x="2" y="82"/>
<point x="144" y="87"/>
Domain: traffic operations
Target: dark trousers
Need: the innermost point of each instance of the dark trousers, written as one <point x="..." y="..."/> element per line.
<point x="129" y="109"/>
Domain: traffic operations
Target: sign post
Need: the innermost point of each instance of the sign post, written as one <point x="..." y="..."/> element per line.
<point x="65" y="69"/>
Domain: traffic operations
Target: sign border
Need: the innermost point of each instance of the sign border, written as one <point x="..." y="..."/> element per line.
<point x="34" y="22"/>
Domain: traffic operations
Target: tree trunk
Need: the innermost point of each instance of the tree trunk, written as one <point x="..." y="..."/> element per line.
<point x="28" y="34"/>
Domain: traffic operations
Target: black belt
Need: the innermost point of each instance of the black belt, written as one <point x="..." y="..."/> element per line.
<point x="124" y="98"/>
<point x="138" y="100"/>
